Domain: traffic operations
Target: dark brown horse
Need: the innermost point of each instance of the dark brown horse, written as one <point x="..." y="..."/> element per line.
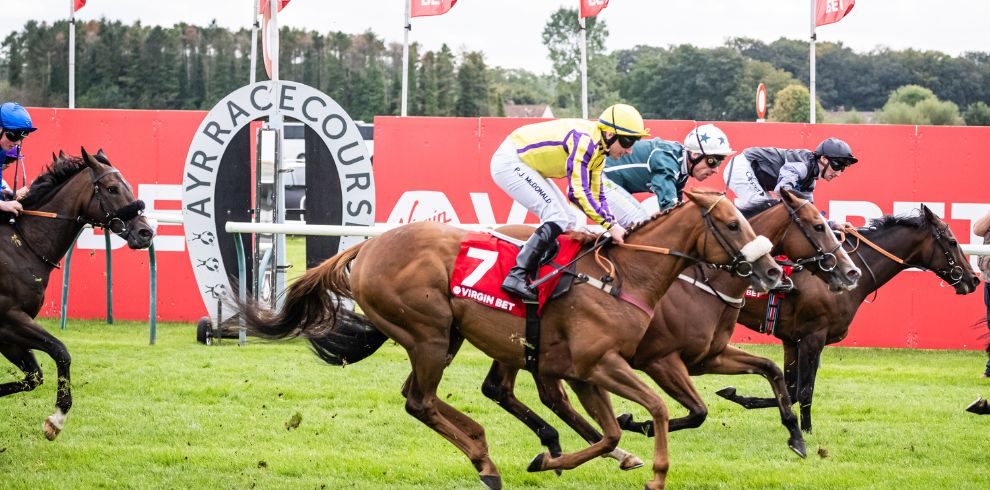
<point x="401" y="280"/>
<point x="74" y="192"/>
<point x="690" y="331"/>
<point x="814" y="317"/>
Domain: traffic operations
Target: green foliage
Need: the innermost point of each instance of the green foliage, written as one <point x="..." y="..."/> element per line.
<point x="792" y="104"/>
<point x="183" y="415"/>
<point x="853" y="117"/>
<point x="913" y="104"/>
<point x="977" y="114"/>
<point x="472" y="80"/>
<point x="562" y="37"/>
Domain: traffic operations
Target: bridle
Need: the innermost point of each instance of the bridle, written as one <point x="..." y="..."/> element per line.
<point x="114" y="220"/>
<point x="826" y="260"/>
<point x="953" y="273"/>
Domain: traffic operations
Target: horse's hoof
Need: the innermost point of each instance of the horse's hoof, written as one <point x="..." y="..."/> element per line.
<point x="492" y="482"/>
<point x="630" y="462"/>
<point x="798" y="448"/>
<point x="537" y="463"/>
<point x="51" y="431"/>
<point x="624" y="420"/>
<point x="728" y="392"/>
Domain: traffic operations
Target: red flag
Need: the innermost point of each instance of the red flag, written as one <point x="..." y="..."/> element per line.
<point x="422" y="8"/>
<point x="590" y="8"/>
<point x="832" y="11"/>
<point x="266" y="18"/>
<point x="80" y="4"/>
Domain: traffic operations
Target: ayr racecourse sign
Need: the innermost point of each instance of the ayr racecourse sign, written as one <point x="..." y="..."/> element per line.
<point x="200" y="192"/>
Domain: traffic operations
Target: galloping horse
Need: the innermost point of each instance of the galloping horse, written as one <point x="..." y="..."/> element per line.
<point x="401" y="280"/>
<point x="72" y="192"/>
<point x="814" y="317"/>
<point x="690" y="331"/>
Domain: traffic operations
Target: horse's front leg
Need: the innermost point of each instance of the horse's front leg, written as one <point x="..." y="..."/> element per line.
<point x="499" y="386"/>
<point x="736" y="361"/>
<point x="810" y="355"/>
<point x="791" y="371"/>
<point x="31" y="336"/>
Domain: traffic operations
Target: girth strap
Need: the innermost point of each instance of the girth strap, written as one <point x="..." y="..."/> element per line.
<point x="531" y="349"/>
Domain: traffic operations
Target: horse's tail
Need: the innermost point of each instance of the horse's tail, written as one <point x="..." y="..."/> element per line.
<point x="312" y="308"/>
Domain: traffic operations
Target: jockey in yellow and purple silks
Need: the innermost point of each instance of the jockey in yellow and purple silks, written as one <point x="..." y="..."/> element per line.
<point x="574" y="149"/>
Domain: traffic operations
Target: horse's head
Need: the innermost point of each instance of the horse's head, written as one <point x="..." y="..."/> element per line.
<point x="815" y="246"/>
<point x="941" y="253"/>
<point x="110" y="204"/>
<point x="729" y="242"/>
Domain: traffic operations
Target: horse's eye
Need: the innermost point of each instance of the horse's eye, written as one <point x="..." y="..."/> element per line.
<point x="953" y="242"/>
<point x="113" y="190"/>
<point x="734" y="226"/>
<point x="819" y="227"/>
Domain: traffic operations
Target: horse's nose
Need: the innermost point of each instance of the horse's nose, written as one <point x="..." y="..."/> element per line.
<point x="773" y="272"/>
<point x="976" y="281"/>
<point x="146" y="234"/>
<point x="854" y="274"/>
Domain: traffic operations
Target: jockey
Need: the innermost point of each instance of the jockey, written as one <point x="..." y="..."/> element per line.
<point x="662" y="167"/>
<point x="571" y="148"/>
<point x="758" y="174"/>
<point x="15" y="125"/>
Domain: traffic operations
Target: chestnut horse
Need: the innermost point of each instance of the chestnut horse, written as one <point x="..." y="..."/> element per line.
<point x="814" y="317"/>
<point x="73" y="191"/>
<point x="401" y="280"/>
<point x="690" y="331"/>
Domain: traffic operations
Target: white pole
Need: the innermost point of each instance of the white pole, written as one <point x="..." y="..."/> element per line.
<point x="407" y="26"/>
<point x="584" y="66"/>
<point x="254" y="43"/>
<point x="811" y="81"/>
<point x="72" y="54"/>
<point x="275" y="121"/>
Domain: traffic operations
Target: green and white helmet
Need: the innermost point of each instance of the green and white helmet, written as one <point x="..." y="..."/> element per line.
<point x="707" y="139"/>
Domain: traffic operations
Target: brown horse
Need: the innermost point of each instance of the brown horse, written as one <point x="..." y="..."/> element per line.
<point x="690" y="331"/>
<point x="814" y="317"/>
<point x="74" y="192"/>
<point x="401" y="280"/>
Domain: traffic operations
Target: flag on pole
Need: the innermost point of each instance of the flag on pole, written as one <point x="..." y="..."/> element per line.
<point x="266" y="18"/>
<point x="80" y="4"/>
<point x="591" y="8"/>
<point x="832" y="11"/>
<point x="423" y="8"/>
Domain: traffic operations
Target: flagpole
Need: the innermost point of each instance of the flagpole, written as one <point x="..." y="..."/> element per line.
<point x="254" y="44"/>
<point x="72" y="54"/>
<point x="584" y="66"/>
<point x="407" y="26"/>
<point x="811" y="71"/>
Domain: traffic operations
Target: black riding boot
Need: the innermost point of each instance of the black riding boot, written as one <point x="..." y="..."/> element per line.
<point x="528" y="260"/>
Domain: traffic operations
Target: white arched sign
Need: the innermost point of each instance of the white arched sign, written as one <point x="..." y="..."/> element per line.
<point x="309" y="106"/>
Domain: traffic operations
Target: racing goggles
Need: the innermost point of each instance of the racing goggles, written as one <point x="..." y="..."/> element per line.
<point x="839" y="164"/>
<point x="626" y="141"/>
<point x="15" y="136"/>
<point x="713" y="161"/>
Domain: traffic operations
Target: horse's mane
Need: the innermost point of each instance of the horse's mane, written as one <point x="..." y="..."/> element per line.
<point x="751" y="211"/>
<point x="62" y="168"/>
<point x="890" y="220"/>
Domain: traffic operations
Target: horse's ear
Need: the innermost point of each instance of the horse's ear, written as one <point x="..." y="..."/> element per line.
<point x="928" y="214"/>
<point x="54" y="157"/>
<point x="88" y="158"/>
<point x="102" y="157"/>
<point x="61" y="155"/>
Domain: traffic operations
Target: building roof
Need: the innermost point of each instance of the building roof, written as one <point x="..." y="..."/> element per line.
<point x="528" y="110"/>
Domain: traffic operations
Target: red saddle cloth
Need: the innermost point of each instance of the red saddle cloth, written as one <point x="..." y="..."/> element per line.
<point x="483" y="262"/>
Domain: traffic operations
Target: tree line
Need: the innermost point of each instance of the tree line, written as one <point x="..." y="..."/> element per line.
<point x="192" y="67"/>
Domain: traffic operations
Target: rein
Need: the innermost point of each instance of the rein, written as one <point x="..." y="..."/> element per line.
<point x="952" y="274"/>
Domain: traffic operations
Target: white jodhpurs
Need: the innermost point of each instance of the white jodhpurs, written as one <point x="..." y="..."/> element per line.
<point x="626" y="209"/>
<point x="535" y="192"/>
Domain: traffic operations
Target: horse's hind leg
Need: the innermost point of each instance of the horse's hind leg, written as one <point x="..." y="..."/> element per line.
<point x="428" y="361"/>
<point x="736" y="361"/>
<point x="31" y="336"/>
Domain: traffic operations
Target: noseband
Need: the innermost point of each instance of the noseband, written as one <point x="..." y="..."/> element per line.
<point x="114" y="220"/>
<point x="738" y="266"/>
<point x="826" y="261"/>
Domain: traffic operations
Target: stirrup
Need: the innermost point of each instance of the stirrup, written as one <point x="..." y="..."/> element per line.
<point x="523" y="291"/>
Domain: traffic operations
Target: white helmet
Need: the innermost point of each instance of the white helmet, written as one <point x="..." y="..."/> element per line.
<point x="708" y="140"/>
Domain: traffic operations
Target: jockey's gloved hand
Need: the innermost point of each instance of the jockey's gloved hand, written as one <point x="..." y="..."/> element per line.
<point x="617" y="232"/>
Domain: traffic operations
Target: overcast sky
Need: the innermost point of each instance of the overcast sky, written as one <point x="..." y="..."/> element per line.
<point x="509" y="31"/>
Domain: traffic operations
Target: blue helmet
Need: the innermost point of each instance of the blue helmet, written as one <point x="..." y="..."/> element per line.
<point x="13" y="117"/>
